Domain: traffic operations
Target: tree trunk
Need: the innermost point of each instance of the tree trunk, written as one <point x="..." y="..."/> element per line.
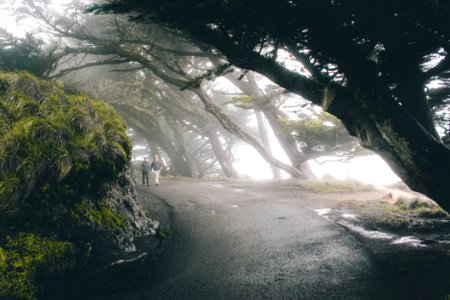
<point x="417" y="157"/>
<point x="286" y="140"/>
<point x="224" y="158"/>
<point x="148" y="126"/>
<point x="265" y="140"/>
<point x="420" y="159"/>
<point x="183" y="158"/>
<point x="236" y="130"/>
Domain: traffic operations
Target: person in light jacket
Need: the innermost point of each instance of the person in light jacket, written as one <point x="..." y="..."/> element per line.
<point x="156" y="167"/>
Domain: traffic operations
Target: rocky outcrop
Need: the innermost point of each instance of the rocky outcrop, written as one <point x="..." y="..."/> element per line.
<point x="120" y="221"/>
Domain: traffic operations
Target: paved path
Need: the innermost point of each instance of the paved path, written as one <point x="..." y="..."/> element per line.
<point x="234" y="242"/>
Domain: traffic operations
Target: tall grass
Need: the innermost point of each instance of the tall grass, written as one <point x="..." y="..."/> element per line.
<point x="49" y="138"/>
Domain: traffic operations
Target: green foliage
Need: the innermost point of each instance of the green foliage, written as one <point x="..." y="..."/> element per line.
<point x="25" y="54"/>
<point x="319" y="132"/>
<point x="335" y="186"/>
<point x="52" y="142"/>
<point x="20" y="258"/>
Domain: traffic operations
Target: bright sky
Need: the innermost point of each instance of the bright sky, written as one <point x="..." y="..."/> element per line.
<point x="20" y="27"/>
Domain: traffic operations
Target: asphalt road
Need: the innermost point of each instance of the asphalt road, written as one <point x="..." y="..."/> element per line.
<point x="235" y="242"/>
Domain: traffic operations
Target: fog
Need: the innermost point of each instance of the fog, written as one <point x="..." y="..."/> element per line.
<point x="237" y="138"/>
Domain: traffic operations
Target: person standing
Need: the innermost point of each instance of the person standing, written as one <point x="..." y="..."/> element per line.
<point x="145" y="168"/>
<point x="156" y="167"/>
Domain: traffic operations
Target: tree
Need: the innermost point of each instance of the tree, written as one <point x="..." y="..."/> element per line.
<point x="364" y="62"/>
<point x="308" y="136"/>
<point x="109" y="42"/>
<point x="26" y="54"/>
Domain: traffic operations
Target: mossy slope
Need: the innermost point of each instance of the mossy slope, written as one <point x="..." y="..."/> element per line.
<point x="64" y="177"/>
<point x="52" y="142"/>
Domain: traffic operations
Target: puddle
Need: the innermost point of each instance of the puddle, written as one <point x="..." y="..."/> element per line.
<point x="444" y="242"/>
<point x="373" y="234"/>
<point x="122" y="261"/>
<point x="238" y="190"/>
<point x="234" y="206"/>
<point x="376" y="234"/>
<point x="323" y="211"/>
<point x="409" y="240"/>
<point x="349" y="216"/>
<point x="218" y="185"/>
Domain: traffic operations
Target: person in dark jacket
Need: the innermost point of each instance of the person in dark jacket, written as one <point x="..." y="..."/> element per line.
<point x="156" y="167"/>
<point x="145" y="168"/>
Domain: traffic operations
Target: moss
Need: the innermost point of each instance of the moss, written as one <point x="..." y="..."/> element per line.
<point x="20" y="258"/>
<point x="100" y="215"/>
<point x="162" y="234"/>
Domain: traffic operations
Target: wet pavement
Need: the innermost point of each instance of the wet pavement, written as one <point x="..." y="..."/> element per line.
<point x="238" y="241"/>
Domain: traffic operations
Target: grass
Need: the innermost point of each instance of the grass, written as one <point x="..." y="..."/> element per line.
<point x="420" y="207"/>
<point x="50" y="138"/>
<point x="56" y="149"/>
<point x="335" y="186"/>
<point x="416" y="215"/>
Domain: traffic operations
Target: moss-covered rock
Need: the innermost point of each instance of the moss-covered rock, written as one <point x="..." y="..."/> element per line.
<point x="65" y="172"/>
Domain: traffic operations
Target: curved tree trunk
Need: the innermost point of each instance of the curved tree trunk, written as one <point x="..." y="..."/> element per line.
<point x="286" y="140"/>
<point x="416" y="155"/>
<point x="236" y="130"/>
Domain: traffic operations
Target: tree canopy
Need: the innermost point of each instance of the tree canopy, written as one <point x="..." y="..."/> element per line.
<point x="369" y="64"/>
